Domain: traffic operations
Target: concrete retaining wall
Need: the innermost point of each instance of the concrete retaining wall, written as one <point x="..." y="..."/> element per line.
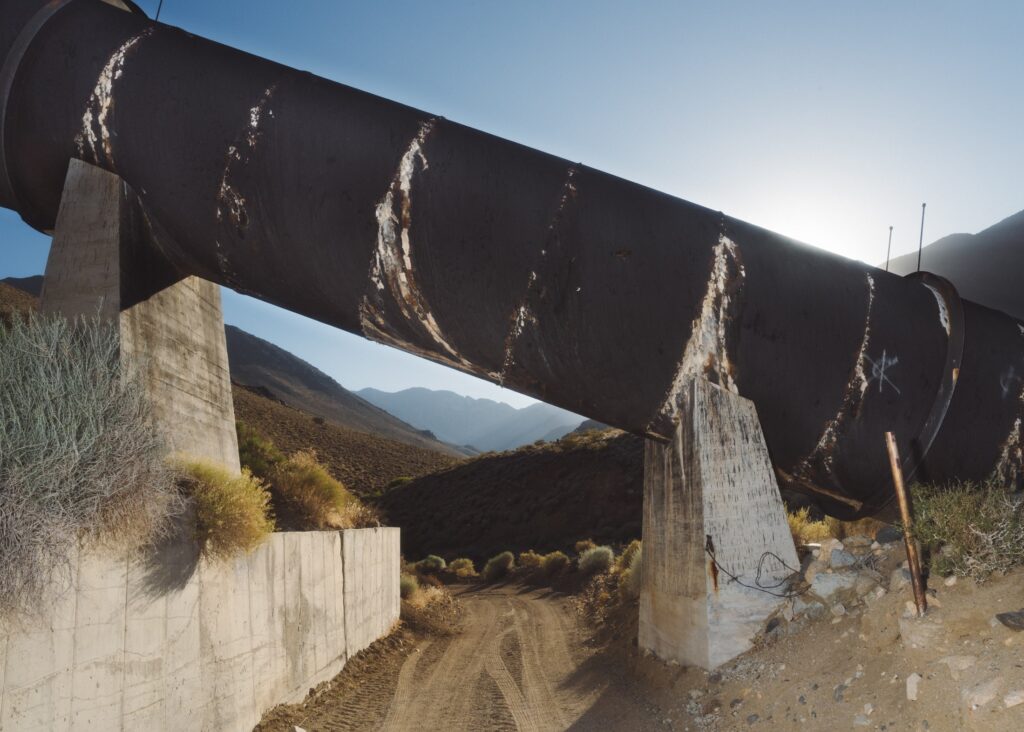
<point x="172" y="643"/>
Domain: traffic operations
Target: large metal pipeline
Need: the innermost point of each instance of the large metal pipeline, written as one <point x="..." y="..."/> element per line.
<point x="559" y="281"/>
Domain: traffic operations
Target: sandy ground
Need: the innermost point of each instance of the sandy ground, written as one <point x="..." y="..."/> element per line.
<point x="523" y="661"/>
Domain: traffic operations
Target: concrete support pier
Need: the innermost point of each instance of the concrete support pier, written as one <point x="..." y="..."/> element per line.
<point x="710" y="494"/>
<point x="102" y="261"/>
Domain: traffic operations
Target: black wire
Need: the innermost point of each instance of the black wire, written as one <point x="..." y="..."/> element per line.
<point x="158" y="9"/>
<point x="767" y="589"/>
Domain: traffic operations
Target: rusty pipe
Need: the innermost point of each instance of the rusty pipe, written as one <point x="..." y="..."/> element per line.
<point x="554" y="279"/>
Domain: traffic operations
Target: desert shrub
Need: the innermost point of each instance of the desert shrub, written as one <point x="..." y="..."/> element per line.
<point x="431" y="564"/>
<point x="400" y="481"/>
<point x="972" y="529"/>
<point x="624" y="559"/>
<point x="407" y="585"/>
<point x="498" y="566"/>
<point x="629" y="586"/>
<point x="232" y="511"/>
<point x="584" y="545"/>
<point x="256" y="452"/>
<point x="306" y="496"/>
<point x="530" y="559"/>
<point x="79" y="456"/>
<point x="462" y="567"/>
<point x="433" y="611"/>
<point x="554" y="563"/>
<point x="598" y="559"/>
<point x="806" y="531"/>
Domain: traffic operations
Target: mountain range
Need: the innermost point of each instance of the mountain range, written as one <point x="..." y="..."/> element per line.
<point x="483" y="424"/>
<point x="985" y="268"/>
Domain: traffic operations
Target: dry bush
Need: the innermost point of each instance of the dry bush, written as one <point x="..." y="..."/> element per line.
<point x="256" y="452"/>
<point x="462" y="568"/>
<point x="554" y="563"/>
<point x="623" y="562"/>
<point x="596" y="560"/>
<point x="805" y="531"/>
<point x="584" y="545"/>
<point x="232" y="511"/>
<point x="530" y="560"/>
<point x="307" y="497"/>
<point x="498" y="566"/>
<point x="431" y="564"/>
<point x="79" y="456"/>
<point x="629" y="585"/>
<point x="407" y="585"/>
<point x="972" y="529"/>
<point x="433" y="611"/>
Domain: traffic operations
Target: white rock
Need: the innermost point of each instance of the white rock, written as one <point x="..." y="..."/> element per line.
<point x="869" y="708"/>
<point x="913" y="681"/>
<point x="839" y="609"/>
<point x="297" y="728"/>
<point x="949" y="581"/>
<point x="875" y="546"/>
<point x="1014" y="698"/>
<point x="957" y="664"/>
<point x="981" y="694"/>
<point x="861" y="721"/>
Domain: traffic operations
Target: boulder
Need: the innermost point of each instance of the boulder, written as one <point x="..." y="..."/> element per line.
<point x="826" y="586"/>
<point x="841" y="558"/>
<point x="899" y="579"/>
<point x="888" y="535"/>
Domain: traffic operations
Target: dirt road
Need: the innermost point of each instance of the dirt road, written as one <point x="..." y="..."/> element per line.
<point x="520" y="662"/>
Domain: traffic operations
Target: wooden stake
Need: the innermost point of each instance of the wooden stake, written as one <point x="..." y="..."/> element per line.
<point x="913" y="558"/>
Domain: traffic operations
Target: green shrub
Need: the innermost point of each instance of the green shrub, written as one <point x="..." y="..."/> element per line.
<point x="584" y="545"/>
<point x="232" y="511"/>
<point x="79" y="455"/>
<point x="462" y="568"/>
<point x="431" y="564"/>
<point x="554" y="563"/>
<point x="624" y="559"/>
<point x="256" y="452"/>
<point x="530" y="559"/>
<point x="498" y="566"/>
<point x="972" y="529"/>
<point x="598" y="559"/>
<point x="407" y="585"/>
<point x="629" y="586"/>
<point x="400" y="481"/>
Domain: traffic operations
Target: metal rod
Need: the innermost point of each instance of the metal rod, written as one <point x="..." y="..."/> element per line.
<point x="920" y="241"/>
<point x="888" y="252"/>
<point x="913" y="558"/>
<point x="158" y="9"/>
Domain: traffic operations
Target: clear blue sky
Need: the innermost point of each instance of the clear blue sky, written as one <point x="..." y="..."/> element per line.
<point x="824" y="121"/>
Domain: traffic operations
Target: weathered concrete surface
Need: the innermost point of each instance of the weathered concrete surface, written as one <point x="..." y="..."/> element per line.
<point x="713" y="485"/>
<point x="168" y="642"/>
<point x="100" y="264"/>
<point x="372" y="569"/>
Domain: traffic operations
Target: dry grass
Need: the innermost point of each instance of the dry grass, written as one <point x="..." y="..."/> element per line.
<point x="232" y="511"/>
<point x="79" y="456"/>
<point x="408" y="585"/>
<point x="806" y="531"/>
<point x="433" y="611"/>
<point x="306" y="497"/>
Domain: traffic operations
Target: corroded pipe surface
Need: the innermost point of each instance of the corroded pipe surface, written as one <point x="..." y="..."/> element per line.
<point x="579" y="288"/>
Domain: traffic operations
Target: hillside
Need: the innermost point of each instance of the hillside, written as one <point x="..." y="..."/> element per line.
<point x="539" y="497"/>
<point x="365" y="463"/>
<point x="259" y="363"/>
<point x="985" y="267"/>
<point x="13" y="300"/>
<point x="484" y="424"/>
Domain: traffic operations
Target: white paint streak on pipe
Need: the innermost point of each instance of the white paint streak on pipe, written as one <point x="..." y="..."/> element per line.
<point x="707" y="350"/>
<point x="95" y="135"/>
<point x="392" y="273"/>
<point x="853" y="397"/>
<point x="943" y="310"/>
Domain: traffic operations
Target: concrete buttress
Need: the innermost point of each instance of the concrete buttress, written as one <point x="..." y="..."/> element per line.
<point x="103" y="262"/>
<point x="711" y="509"/>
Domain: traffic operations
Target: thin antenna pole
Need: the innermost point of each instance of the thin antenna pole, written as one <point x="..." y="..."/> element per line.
<point x="888" y="250"/>
<point x="158" y="9"/>
<point x="920" y="242"/>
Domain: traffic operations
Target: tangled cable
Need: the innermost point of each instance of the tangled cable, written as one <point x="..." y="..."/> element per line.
<point x="709" y="548"/>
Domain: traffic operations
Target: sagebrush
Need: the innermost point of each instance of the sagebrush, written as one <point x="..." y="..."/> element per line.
<point x="79" y="456"/>
<point x="256" y="452"/>
<point x="498" y="566"/>
<point x="462" y="567"/>
<point x="554" y="563"/>
<point x="971" y="529"/>
<point x="232" y="511"/>
<point x="530" y="559"/>
<point x="598" y="559"/>
<point x="431" y="564"/>
<point x="407" y="585"/>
